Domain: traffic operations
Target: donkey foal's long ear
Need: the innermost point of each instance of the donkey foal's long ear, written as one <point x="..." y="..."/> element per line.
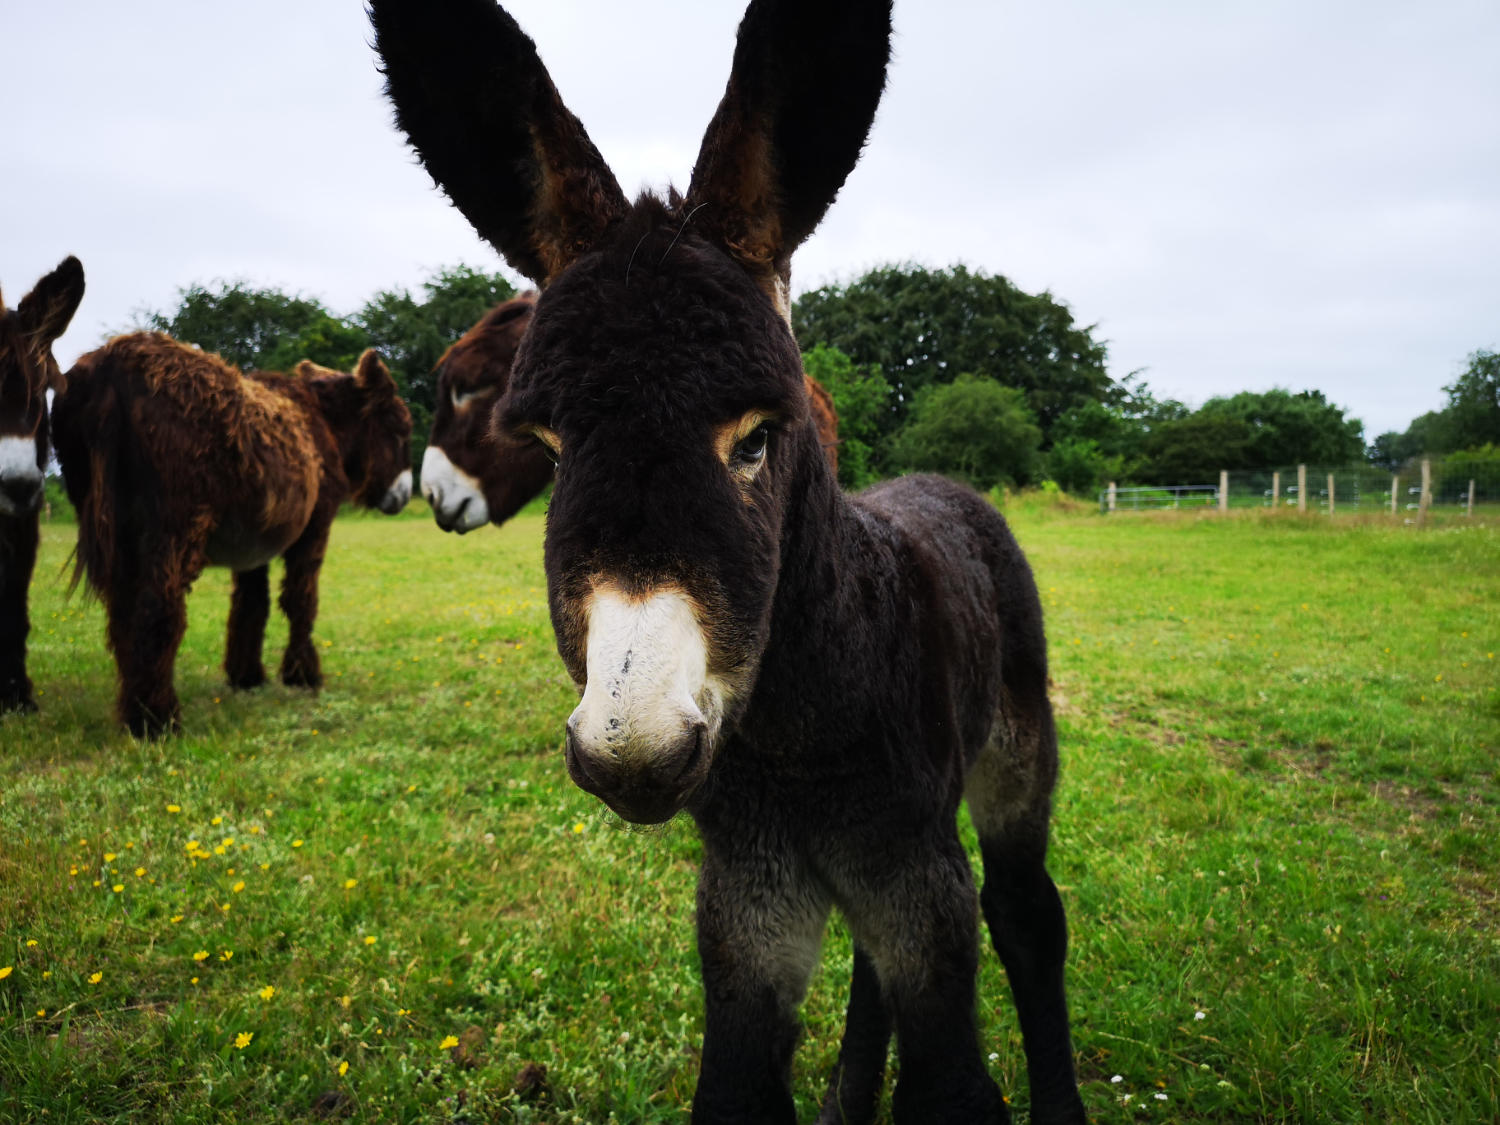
<point x="802" y="93"/>
<point x="46" y="311"/>
<point x="478" y="106"/>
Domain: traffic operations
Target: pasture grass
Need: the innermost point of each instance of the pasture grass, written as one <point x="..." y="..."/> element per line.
<point x="1276" y="835"/>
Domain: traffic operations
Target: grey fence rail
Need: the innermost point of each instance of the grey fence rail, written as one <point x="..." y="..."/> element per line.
<point x="1466" y="486"/>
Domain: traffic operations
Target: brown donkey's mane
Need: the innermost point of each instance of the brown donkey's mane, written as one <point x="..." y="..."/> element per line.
<point x="176" y="460"/>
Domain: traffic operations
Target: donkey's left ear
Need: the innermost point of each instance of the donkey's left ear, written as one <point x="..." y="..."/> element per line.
<point x="802" y="93"/>
<point x="46" y="311"/>
<point x="372" y="372"/>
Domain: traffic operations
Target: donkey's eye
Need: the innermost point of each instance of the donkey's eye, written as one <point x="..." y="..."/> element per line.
<point x="547" y="449"/>
<point x="750" y="450"/>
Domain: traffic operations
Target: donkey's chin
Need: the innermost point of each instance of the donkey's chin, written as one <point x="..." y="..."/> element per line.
<point x="651" y="794"/>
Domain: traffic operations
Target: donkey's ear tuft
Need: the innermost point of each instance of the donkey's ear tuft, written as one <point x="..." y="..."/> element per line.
<point x="47" y="310"/>
<point x="476" y="103"/>
<point x="807" y="77"/>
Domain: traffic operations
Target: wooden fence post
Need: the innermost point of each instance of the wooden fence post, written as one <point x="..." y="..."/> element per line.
<point x="1111" y="496"/>
<point x="1223" y="490"/>
<point x="1330" y="494"/>
<point x="1426" y="500"/>
<point x="1301" y="488"/>
<point x="1395" y="490"/>
<point x="1470" y="512"/>
<point x="1276" y="490"/>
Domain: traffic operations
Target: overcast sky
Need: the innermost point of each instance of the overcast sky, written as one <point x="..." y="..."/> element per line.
<point x="1238" y="195"/>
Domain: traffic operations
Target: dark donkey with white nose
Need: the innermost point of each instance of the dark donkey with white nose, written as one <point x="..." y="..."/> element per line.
<point x="27" y="371"/>
<point x="817" y="679"/>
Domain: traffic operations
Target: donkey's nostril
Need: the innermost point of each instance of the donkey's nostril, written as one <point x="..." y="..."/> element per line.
<point x="692" y="760"/>
<point x="24" y="493"/>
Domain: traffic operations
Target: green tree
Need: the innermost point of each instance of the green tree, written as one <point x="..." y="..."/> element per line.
<point x="412" y="334"/>
<point x="249" y="327"/>
<point x="1473" y="410"/>
<point x="1288" y="429"/>
<point x="1189" y="450"/>
<point x="973" y="429"/>
<point x="862" y="398"/>
<point x="924" y="327"/>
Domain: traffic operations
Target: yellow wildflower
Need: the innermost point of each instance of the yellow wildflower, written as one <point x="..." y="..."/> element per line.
<point x="267" y="992"/>
<point x="242" y="1040"/>
<point x="343" y="1069"/>
<point x="201" y="955"/>
<point x="350" y="884"/>
<point x="238" y="887"/>
<point x="6" y="970"/>
<point x="448" y="1042"/>
<point x="95" y="978"/>
<point x="174" y="808"/>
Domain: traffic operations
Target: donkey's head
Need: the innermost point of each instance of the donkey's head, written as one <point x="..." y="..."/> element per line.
<point x="472" y="475"/>
<point x="372" y="426"/>
<point x="659" y="370"/>
<point x="27" y="370"/>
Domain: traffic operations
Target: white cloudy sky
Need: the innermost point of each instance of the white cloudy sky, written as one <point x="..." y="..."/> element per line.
<point x="1240" y="194"/>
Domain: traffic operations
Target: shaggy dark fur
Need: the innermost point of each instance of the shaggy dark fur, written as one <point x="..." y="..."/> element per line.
<point x="27" y="370"/>
<point x="883" y="655"/>
<point x="176" y="461"/>
<point x="510" y="472"/>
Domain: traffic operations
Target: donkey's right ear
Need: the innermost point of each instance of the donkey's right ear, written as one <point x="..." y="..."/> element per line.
<point x="479" y="108"/>
<point x="47" y="310"/>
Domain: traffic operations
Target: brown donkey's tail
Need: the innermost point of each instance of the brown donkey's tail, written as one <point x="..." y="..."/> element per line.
<point x="86" y="423"/>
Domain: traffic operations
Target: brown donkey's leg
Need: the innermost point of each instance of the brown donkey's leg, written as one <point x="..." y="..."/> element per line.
<point x="299" y="601"/>
<point x="249" y="607"/>
<point x="167" y="564"/>
<point x="17" y="560"/>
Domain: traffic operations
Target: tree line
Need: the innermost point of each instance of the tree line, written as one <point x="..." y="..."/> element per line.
<point x="944" y="370"/>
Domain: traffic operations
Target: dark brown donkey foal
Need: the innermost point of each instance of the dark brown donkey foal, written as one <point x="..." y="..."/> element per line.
<point x="817" y="679"/>
<point x="473" y="474"/>
<point x="27" y="370"/>
<point x="176" y="460"/>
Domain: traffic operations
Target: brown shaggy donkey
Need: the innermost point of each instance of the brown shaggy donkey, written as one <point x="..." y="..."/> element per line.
<point x="27" y="370"/>
<point x="473" y="474"/>
<point x="176" y="460"/>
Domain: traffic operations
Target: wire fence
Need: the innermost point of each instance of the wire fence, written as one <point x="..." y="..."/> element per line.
<point x="1460" y="486"/>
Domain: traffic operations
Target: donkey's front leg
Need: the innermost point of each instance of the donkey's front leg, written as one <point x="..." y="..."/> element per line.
<point x="760" y="924"/>
<point x="920" y="924"/>
<point x="15" y="577"/>
<point x="299" y="601"/>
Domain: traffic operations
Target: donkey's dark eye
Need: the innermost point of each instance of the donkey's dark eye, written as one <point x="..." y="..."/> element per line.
<point x="545" y="448"/>
<point x="750" y="450"/>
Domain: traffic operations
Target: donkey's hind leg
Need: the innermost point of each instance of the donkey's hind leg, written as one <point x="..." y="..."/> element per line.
<point x="249" y="607"/>
<point x="859" y="1075"/>
<point x="299" y="601"/>
<point x="157" y="616"/>
<point x="1009" y="795"/>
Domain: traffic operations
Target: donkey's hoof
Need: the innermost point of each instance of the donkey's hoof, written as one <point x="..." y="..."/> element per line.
<point x="302" y="677"/>
<point x="22" y="704"/>
<point x="145" y="724"/>
<point x="247" y="679"/>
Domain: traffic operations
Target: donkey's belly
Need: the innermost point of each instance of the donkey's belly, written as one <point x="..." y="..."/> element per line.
<point x="238" y="547"/>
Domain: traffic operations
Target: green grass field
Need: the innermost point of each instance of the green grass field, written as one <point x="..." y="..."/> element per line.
<point x="1276" y="836"/>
